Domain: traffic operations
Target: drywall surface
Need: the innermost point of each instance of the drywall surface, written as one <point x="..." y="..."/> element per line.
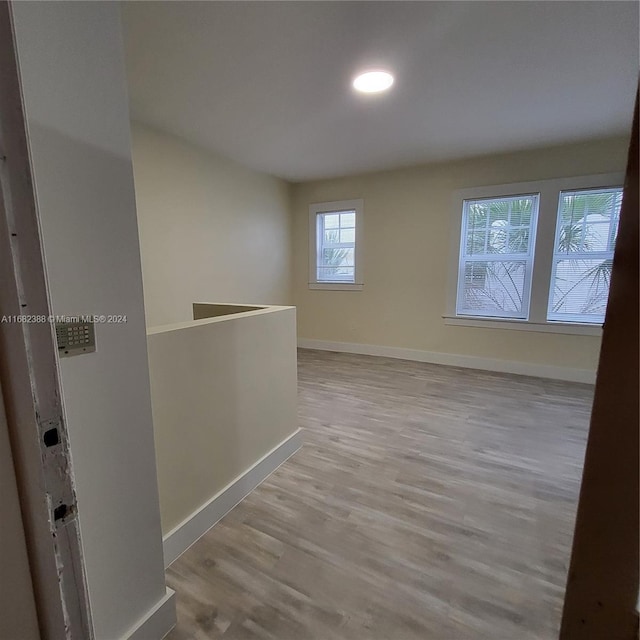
<point x="209" y="229"/>
<point x="224" y="393"/>
<point x="407" y="216"/>
<point x="71" y="63"/>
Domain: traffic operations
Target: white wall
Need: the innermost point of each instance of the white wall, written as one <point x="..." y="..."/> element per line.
<point x="209" y="229"/>
<point x="407" y="214"/>
<point x="71" y="63"/>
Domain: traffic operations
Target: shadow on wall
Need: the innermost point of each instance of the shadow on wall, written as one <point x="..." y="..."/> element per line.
<point x="202" y="310"/>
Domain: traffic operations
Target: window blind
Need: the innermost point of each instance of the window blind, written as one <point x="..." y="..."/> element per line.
<point x="496" y="256"/>
<point x="336" y="240"/>
<point x="586" y="229"/>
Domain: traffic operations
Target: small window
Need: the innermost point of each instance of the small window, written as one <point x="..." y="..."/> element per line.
<point x="336" y="246"/>
<point x="335" y="230"/>
<point x="496" y="256"/>
<point x="586" y="229"/>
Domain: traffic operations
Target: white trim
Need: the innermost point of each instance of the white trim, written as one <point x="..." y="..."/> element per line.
<point x="326" y="207"/>
<point x="579" y="329"/>
<point x="456" y="360"/>
<point x="181" y="537"/>
<point x="336" y="286"/>
<point x="561" y="184"/>
<point x="158" y="621"/>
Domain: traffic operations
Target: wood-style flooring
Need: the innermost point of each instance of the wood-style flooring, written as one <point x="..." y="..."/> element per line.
<point x="428" y="502"/>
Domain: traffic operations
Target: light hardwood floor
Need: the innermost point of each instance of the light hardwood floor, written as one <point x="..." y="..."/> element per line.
<point x="428" y="502"/>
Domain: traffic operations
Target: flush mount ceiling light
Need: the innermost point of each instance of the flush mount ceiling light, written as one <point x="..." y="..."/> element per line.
<point x="373" y="81"/>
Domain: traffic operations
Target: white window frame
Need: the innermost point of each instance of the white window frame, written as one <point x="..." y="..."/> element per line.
<point x="544" y="237"/>
<point x="522" y="257"/>
<point x="332" y="207"/>
<point x="573" y="255"/>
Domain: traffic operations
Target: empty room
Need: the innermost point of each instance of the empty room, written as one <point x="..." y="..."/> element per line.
<point x="323" y="318"/>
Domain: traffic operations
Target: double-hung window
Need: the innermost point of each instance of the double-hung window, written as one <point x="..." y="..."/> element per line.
<point x="496" y="256"/>
<point x="586" y="231"/>
<point x="536" y="255"/>
<point x="335" y="245"/>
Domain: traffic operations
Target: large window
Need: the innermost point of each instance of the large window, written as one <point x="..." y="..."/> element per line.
<point x="535" y="255"/>
<point x="583" y="254"/>
<point x="335" y="245"/>
<point x="496" y="256"/>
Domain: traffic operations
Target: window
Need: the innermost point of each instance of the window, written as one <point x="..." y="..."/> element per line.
<point x="335" y="245"/>
<point x="534" y="256"/>
<point x="496" y="256"/>
<point x="583" y="254"/>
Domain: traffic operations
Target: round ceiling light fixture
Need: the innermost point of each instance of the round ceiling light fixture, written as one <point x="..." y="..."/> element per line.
<point x="373" y="81"/>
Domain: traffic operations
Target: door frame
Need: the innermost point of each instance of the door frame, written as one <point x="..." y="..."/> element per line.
<point x="29" y="378"/>
<point x="601" y="598"/>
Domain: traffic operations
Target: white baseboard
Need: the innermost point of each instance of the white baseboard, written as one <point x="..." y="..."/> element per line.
<point x="158" y="621"/>
<point x="455" y="360"/>
<point x="180" y="538"/>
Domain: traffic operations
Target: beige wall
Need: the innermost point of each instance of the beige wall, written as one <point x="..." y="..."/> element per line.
<point x="75" y="102"/>
<point x="224" y="394"/>
<point x="407" y="218"/>
<point x="209" y="229"/>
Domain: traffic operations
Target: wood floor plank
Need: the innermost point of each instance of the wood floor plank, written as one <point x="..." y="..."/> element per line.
<point x="428" y="502"/>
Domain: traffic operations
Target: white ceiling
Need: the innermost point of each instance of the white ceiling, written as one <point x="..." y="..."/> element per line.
<point x="268" y="83"/>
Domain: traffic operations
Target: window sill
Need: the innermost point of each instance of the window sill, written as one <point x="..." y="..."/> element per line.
<point x="336" y="286"/>
<point x="525" y="325"/>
